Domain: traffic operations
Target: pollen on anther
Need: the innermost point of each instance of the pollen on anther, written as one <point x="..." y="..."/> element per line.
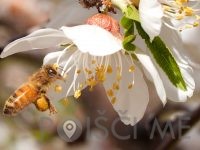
<point x="119" y="77"/>
<point x="81" y="86"/>
<point x="88" y="71"/>
<point x="130" y="86"/>
<point x="77" y="94"/>
<point x="109" y="69"/>
<point x="78" y="71"/>
<point x="131" y="69"/>
<point x="91" y="82"/>
<point x="116" y="86"/>
<point x="100" y="74"/>
<point x="110" y="93"/>
<point x="113" y="100"/>
<point x="195" y="24"/>
<point x="65" y="102"/>
<point x="93" y="61"/>
<point x="58" y="88"/>
<point x="188" y="11"/>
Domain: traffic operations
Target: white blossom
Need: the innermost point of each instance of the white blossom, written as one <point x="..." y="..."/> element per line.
<point x="94" y="56"/>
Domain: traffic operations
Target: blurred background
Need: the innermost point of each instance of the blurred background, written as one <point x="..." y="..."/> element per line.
<point x="34" y="130"/>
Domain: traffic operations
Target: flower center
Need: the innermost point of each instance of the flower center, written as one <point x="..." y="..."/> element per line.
<point x="182" y="10"/>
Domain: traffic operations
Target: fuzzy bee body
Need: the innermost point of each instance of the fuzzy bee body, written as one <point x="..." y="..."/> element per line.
<point x="34" y="91"/>
<point x="22" y="97"/>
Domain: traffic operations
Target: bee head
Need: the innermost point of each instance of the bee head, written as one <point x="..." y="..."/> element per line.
<point x="51" y="72"/>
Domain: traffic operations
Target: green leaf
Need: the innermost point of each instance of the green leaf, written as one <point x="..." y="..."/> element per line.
<point x="128" y="25"/>
<point x="164" y="58"/>
<point x="127" y="43"/>
<point x="126" y="22"/>
<point x="129" y="36"/>
<point x="132" y="13"/>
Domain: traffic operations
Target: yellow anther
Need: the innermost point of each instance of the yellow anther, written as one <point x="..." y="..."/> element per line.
<point x="77" y="94"/>
<point x="179" y="17"/>
<point x="188" y="11"/>
<point x="181" y="2"/>
<point x="167" y="8"/>
<point x="88" y="71"/>
<point x="130" y="86"/>
<point x="131" y="69"/>
<point x="78" y="71"/>
<point x="110" y="93"/>
<point x="109" y="69"/>
<point x="58" y="88"/>
<point x="100" y="74"/>
<point x="81" y="86"/>
<point x="65" y="102"/>
<point x="91" y="82"/>
<point x="101" y="77"/>
<point x="93" y="61"/>
<point x="113" y="100"/>
<point x="181" y="10"/>
<point x="115" y="86"/>
<point x="188" y="26"/>
<point x="184" y="1"/>
<point x="119" y="77"/>
<point x="195" y="24"/>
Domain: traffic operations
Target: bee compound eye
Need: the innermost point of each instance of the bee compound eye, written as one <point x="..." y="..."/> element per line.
<point x="52" y="72"/>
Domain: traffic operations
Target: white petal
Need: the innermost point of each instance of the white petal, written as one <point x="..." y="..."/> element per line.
<point x="130" y="103"/>
<point x="151" y="14"/>
<point x="197" y="79"/>
<point x="51" y="58"/>
<point x="40" y="39"/>
<point x="93" y="40"/>
<point x="173" y="41"/>
<point x="76" y="14"/>
<point x="75" y="62"/>
<point x="176" y="94"/>
<point x="152" y="74"/>
<point x="164" y="1"/>
<point x="190" y="39"/>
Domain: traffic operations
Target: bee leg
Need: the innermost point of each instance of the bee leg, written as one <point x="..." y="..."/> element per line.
<point x="52" y="109"/>
<point x="42" y="103"/>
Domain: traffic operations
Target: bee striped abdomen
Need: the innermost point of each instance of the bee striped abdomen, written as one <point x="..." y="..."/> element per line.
<point x="22" y="97"/>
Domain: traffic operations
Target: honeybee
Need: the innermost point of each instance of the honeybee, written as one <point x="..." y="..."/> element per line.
<point x="34" y="91"/>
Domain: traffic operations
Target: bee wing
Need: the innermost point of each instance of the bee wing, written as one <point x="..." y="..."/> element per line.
<point x="40" y="39"/>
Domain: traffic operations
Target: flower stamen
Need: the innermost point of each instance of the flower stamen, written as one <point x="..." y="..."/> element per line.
<point x="181" y="10"/>
<point x="77" y="94"/>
